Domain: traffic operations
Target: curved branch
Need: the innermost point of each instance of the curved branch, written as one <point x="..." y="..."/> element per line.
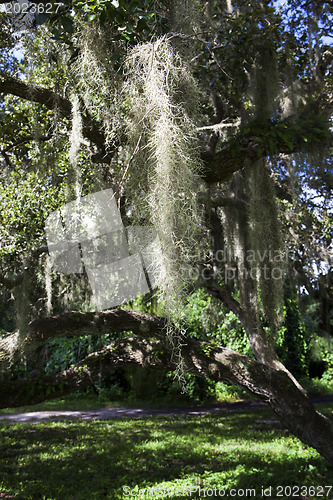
<point x="34" y="93"/>
<point x="77" y="324"/>
<point x="280" y="138"/>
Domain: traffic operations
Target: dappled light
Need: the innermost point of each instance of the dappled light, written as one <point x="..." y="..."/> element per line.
<point x="176" y="452"/>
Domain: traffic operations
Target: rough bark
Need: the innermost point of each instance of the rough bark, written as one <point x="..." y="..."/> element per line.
<point x="78" y="324"/>
<point x="273" y="386"/>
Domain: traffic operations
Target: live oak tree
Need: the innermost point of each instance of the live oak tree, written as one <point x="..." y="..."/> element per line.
<point x="202" y="118"/>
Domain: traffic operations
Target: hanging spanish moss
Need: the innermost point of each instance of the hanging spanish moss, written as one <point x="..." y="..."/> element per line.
<point x="184" y="16"/>
<point x="252" y="232"/>
<point x="265" y="86"/>
<point x="229" y="6"/>
<point x="235" y="224"/>
<point x="166" y="162"/>
<point x="97" y="80"/>
<point x="265" y="254"/>
<point x="75" y="140"/>
<point x="254" y="257"/>
<point x="164" y="168"/>
<point x="48" y="284"/>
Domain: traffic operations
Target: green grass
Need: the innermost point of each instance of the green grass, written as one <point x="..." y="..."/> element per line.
<point x="97" y="459"/>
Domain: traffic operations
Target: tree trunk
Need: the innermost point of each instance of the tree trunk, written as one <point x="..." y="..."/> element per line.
<point x="262" y="346"/>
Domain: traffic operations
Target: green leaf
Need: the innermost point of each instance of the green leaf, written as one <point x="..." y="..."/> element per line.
<point x="142" y="25"/>
<point x="42" y="18"/>
<point x="286" y="136"/>
<point x="67" y="24"/>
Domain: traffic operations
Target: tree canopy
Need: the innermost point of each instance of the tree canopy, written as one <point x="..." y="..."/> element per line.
<point x="210" y="125"/>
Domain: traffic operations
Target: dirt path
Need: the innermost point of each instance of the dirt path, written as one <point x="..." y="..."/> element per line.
<point x="116" y="412"/>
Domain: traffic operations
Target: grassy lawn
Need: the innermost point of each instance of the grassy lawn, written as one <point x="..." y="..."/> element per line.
<point x="98" y="459"/>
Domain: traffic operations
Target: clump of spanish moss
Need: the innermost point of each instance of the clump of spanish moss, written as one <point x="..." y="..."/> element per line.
<point x="160" y="95"/>
<point x="75" y="141"/>
<point x="265" y="81"/>
<point x="97" y="80"/>
<point x="265" y="255"/>
<point x="254" y="256"/>
<point x="235" y="223"/>
<point x="184" y="16"/>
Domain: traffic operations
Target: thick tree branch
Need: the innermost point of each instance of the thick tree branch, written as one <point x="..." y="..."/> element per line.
<point x="244" y="149"/>
<point x="72" y="324"/>
<point x="91" y="130"/>
<point x="28" y="138"/>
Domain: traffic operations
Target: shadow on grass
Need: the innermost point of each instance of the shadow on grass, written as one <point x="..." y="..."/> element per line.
<point x="94" y="460"/>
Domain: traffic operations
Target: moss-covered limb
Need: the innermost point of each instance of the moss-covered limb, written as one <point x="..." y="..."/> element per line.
<point x="96" y="323"/>
<point x="71" y="324"/>
<point x="140" y="352"/>
<point x="260" y="139"/>
<point x="90" y="129"/>
<point x="274" y="386"/>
